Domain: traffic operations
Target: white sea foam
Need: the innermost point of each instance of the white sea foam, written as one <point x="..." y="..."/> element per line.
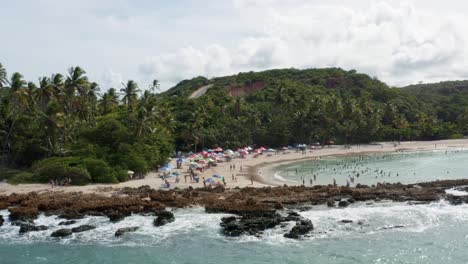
<point x="192" y="223"/>
<point x="456" y="192"/>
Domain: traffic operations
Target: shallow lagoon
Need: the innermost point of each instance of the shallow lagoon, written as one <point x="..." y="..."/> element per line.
<point x="404" y="167"/>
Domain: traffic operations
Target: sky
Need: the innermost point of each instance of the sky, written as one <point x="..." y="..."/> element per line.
<point x="398" y="42"/>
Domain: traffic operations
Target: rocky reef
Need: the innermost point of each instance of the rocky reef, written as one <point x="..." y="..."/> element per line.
<point x="255" y="209"/>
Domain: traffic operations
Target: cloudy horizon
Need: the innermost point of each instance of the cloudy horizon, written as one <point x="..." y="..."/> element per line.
<point x="400" y="43"/>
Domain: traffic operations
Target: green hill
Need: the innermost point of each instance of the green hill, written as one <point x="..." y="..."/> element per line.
<point x="286" y="106"/>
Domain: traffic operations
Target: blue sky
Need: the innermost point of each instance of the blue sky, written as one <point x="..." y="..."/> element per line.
<point x="398" y="42"/>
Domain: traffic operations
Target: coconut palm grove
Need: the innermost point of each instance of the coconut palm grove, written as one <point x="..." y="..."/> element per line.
<point x="66" y="125"/>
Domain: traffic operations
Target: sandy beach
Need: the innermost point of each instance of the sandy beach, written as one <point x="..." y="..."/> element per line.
<point x="256" y="169"/>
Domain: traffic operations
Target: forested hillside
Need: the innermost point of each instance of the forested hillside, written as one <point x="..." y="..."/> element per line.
<point x="65" y="127"/>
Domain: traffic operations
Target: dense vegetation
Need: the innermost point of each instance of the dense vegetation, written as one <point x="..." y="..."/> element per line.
<point x="304" y="106"/>
<point x="62" y="128"/>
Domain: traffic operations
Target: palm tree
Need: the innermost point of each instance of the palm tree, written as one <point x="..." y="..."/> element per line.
<point x="154" y="86"/>
<point x="3" y="76"/>
<point x="130" y="94"/>
<point x="108" y="101"/>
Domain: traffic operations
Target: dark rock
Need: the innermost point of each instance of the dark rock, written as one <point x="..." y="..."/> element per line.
<point x="117" y="216"/>
<point x="351" y="200"/>
<point x="293" y="216"/>
<point x="82" y="228"/>
<point x="122" y="231"/>
<point x="251" y="224"/>
<point x="21" y="222"/>
<point x="164" y="217"/>
<point x="301" y="228"/>
<point x="62" y="233"/>
<point x="23" y="213"/>
<point x="331" y="203"/>
<point x="227" y="220"/>
<point x="346" y="221"/>
<point x="71" y="215"/>
<point x="1" y="220"/>
<point x="343" y="203"/>
<point x="71" y="222"/>
<point x="392" y="227"/>
<point x="25" y="228"/>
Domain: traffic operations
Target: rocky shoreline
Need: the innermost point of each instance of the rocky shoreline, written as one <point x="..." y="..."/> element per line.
<point x="255" y="209"/>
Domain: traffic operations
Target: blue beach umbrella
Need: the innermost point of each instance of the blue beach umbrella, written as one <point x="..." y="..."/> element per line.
<point x="165" y="169"/>
<point x="209" y="180"/>
<point x="168" y="165"/>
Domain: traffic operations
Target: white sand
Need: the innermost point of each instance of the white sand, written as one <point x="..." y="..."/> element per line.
<point x="252" y="168"/>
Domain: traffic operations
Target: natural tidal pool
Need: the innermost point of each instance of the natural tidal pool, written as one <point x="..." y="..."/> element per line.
<point x="404" y="167"/>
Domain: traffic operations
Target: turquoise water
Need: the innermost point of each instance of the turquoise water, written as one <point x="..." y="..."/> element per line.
<point x="431" y="233"/>
<point x="390" y="167"/>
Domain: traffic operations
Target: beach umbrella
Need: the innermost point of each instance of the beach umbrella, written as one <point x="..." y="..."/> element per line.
<point x="217" y="176"/>
<point x="202" y="161"/>
<point x="193" y="156"/>
<point x="168" y="165"/>
<point x="284" y="148"/>
<point x="271" y="150"/>
<point x="209" y="180"/>
<point x="218" y="149"/>
<point x="165" y="169"/>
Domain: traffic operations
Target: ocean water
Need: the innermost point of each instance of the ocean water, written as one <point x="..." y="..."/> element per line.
<point x="388" y="233"/>
<point x="406" y="167"/>
<point x="380" y="232"/>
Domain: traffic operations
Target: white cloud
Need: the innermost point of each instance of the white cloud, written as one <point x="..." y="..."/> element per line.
<point x="397" y="43"/>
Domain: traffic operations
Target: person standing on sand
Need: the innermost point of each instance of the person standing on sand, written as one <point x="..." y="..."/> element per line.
<point x="204" y="182"/>
<point x="251" y="179"/>
<point x="233" y="177"/>
<point x="334" y="182"/>
<point x="310" y="181"/>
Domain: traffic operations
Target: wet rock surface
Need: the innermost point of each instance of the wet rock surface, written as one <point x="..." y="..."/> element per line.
<point x="124" y="230"/>
<point x="62" y="233"/>
<point x="302" y="227"/>
<point x="255" y="223"/>
<point x="71" y="222"/>
<point x="25" y="228"/>
<point x="82" y="228"/>
<point x="164" y="217"/>
<point x="1" y="220"/>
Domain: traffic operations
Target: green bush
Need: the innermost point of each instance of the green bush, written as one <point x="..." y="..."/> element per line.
<point x="100" y="171"/>
<point x="121" y="175"/>
<point x="22" y="177"/>
<point x="78" y="175"/>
